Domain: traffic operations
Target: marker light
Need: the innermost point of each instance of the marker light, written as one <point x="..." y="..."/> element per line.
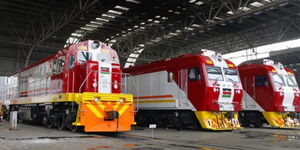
<point x="122" y="100"/>
<point x="115" y="84"/>
<point x="209" y="62"/>
<point x="96" y="99"/>
<point x="230" y="65"/>
<point x="273" y="70"/>
<point x="94" y="85"/>
<point x="215" y="89"/>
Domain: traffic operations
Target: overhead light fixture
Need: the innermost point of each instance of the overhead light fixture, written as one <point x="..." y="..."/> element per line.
<point x="199" y="3"/>
<point x="133" y="1"/>
<point x="122" y="8"/>
<point x="192" y="1"/>
<point x="115" y="12"/>
<point x="109" y="16"/>
<point x="101" y="19"/>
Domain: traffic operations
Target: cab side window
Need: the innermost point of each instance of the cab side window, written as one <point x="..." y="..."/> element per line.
<point x="170" y="77"/>
<point x="194" y="74"/>
<point x="261" y="81"/>
<point x="58" y="65"/>
<point x="83" y="56"/>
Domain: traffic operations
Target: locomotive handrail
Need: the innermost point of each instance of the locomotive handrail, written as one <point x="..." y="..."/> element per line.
<point x="126" y="75"/>
<point x="73" y="82"/>
<point x="94" y="71"/>
<point x="86" y="79"/>
<point x="137" y="90"/>
<point x="68" y="81"/>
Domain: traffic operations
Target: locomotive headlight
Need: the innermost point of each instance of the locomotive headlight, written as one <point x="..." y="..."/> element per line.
<point x="122" y="100"/>
<point x="215" y="89"/>
<point x="95" y="45"/>
<point x="238" y="91"/>
<point x="96" y="99"/>
<point x="297" y="94"/>
<point x="116" y="84"/>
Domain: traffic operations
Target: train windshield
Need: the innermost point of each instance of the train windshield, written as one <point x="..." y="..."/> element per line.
<point x="291" y="81"/>
<point x="84" y="56"/>
<point x="104" y="58"/>
<point x="278" y="79"/>
<point x="231" y="75"/>
<point x="214" y="73"/>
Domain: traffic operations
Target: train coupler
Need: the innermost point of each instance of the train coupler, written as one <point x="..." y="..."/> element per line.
<point x="111" y="115"/>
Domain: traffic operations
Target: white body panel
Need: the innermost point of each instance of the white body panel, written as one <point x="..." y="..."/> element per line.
<point x="248" y="103"/>
<point x="105" y="78"/>
<point x="226" y="103"/>
<point x="154" y="85"/>
<point x="288" y="92"/>
<point x="288" y="99"/>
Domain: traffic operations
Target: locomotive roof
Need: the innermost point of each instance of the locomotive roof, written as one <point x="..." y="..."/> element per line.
<point x="182" y="61"/>
<point x="266" y="67"/>
<point x="35" y="64"/>
<point x="59" y="53"/>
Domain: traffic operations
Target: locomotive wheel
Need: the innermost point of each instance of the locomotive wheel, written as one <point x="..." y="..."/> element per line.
<point x="246" y="124"/>
<point x="258" y="124"/>
<point x="45" y="121"/>
<point x="60" y="124"/>
<point x="49" y="123"/>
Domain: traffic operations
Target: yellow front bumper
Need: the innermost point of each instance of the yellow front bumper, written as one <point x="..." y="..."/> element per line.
<point x="217" y="120"/>
<point x="94" y="107"/>
<point x="281" y="120"/>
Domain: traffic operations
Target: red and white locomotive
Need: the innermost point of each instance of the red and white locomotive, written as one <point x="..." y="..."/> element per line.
<point x="271" y="95"/>
<point x="80" y="86"/>
<point x="188" y="91"/>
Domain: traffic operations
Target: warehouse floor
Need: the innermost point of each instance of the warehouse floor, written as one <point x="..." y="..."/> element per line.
<point x="29" y="137"/>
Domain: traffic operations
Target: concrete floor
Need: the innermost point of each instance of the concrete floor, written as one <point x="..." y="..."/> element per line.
<point x="29" y="137"/>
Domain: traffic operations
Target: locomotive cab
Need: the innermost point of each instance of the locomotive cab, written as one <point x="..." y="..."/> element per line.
<point x="272" y="95"/>
<point x="98" y="66"/>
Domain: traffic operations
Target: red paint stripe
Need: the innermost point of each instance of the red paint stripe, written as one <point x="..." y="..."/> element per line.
<point x="156" y="96"/>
